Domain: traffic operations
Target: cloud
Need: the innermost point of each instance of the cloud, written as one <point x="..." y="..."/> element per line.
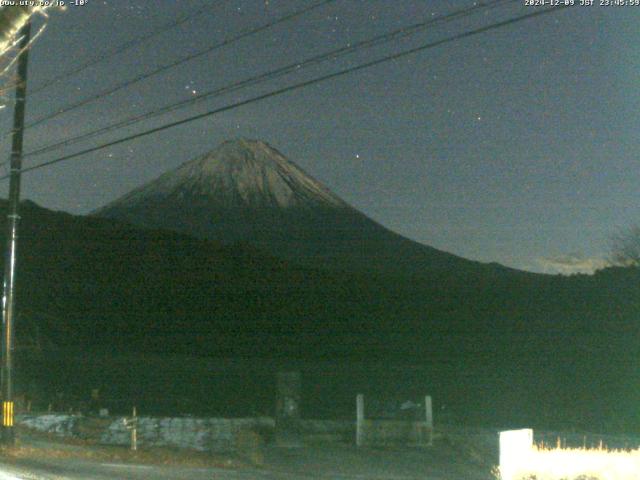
<point x="571" y="264"/>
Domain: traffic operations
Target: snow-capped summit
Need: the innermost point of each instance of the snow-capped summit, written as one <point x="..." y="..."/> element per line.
<point x="238" y="174"/>
<point x="247" y="191"/>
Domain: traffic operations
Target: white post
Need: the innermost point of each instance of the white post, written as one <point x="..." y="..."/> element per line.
<point x="134" y="431"/>
<point x="428" y="407"/>
<point x="516" y="447"/>
<point x="359" y="418"/>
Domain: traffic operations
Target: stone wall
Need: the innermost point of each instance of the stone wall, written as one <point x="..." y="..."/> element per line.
<point x="204" y="434"/>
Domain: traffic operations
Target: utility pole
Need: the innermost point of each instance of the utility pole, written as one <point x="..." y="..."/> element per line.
<point x="8" y="305"/>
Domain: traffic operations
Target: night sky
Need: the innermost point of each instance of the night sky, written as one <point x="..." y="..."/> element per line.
<point x="517" y="145"/>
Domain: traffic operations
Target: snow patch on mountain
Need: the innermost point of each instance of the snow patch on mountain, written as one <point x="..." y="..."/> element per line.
<point x="239" y="173"/>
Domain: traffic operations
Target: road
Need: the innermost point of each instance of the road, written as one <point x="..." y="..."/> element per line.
<point x="323" y="463"/>
<point x="456" y="456"/>
<point x="77" y="470"/>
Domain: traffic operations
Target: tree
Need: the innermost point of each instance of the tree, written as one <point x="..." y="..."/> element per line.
<point x="625" y="248"/>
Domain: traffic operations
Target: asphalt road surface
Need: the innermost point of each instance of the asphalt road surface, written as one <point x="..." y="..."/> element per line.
<point x="324" y="463"/>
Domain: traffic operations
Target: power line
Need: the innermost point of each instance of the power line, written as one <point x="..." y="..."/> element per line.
<point x="296" y="86"/>
<point x="122" y="48"/>
<point x="333" y="54"/>
<point x="164" y="68"/>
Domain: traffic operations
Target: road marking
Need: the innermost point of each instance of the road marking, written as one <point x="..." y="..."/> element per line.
<point x="124" y="465"/>
<point x="6" y="476"/>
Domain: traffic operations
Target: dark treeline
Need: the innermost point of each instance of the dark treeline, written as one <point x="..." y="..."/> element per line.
<point x="495" y="346"/>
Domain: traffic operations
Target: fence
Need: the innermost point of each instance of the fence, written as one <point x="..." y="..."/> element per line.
<point x="521" y="459"/>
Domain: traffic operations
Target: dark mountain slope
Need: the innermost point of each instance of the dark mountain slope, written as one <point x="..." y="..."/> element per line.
<point x="246" y="191"/>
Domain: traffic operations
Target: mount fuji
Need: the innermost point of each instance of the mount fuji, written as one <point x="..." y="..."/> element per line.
<point x="246" y="191"/>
